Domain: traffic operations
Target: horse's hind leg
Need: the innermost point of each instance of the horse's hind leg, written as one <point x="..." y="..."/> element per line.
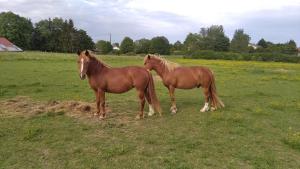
<point x="206" y="97"/>
<point x="142" y="104"/>
<point x="173" y="108"/>
<point x="151" y="110"/>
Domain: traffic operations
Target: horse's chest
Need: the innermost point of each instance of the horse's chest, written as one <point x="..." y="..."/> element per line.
<point x="93" y="84"/>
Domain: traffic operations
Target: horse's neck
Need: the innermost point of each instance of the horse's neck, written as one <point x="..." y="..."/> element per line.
<point x="162" y="71"/>
<point x="96" y="68"/>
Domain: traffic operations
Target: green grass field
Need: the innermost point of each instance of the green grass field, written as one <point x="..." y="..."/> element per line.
<point x="258" y="128"/>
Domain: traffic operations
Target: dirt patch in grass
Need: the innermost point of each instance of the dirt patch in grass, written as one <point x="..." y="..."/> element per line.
<point x="25" y="106"/>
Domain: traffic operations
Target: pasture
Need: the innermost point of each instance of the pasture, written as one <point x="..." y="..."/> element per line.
<point x="258" y="128"/>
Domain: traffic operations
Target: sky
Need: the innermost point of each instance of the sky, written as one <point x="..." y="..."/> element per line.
<point x="274" y="20"/>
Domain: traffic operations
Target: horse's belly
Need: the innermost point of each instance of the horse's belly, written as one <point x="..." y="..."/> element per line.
<point x="184" y="83"/>
<point x="118" y="88"/>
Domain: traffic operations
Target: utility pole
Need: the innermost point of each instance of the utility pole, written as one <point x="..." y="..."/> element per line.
<point x="110" y="38"/>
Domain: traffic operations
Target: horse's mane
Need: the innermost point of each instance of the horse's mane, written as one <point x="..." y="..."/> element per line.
<point x="99" y="61"/>
<point x="168" y="64"/>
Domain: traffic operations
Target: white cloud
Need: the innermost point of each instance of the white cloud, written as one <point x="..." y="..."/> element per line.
<point x="210" y="11"/>
<point x="277" y="20"/>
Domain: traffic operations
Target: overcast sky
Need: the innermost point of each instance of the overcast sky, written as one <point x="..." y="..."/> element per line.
<point x="274" y="20"/>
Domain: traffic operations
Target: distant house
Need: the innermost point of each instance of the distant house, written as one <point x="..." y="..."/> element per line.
<point x="253" y="45"/>
<point x="6" y="45"/>
<point x="115" y="46"/>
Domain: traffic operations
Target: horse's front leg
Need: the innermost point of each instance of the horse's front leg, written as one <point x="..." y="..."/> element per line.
<point x="141" y="94"/>
<point x="97" y="103"/>
<point x="102" y="104"/>
<point x="173" y="108"/>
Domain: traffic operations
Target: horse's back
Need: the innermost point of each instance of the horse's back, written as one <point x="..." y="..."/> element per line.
<point x="139" y="75"/>
<point x="189" y="77"/>
<point x="134" y="76"/>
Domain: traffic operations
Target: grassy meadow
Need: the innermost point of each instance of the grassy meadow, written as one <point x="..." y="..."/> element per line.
<point x="258" y="128"/>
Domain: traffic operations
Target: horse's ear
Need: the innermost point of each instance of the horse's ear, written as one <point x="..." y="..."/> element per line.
<point x="78" y="52"/>
<point x="87" y="53"/>
<point x="149" y="56"/>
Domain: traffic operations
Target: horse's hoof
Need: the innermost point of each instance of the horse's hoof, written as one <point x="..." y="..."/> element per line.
<point x="96" y="114"/>
<point x="203" y="110"/>
<point x="138" y="117"/>
<point x="150" y="113"/>
<point x="213" y="109"/>
<point x="101" y="117"/>
<point x="173" y="110"/>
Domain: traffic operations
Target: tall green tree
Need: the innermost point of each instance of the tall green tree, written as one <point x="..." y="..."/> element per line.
<point x="127" y="45"/>
<point x="83" y="41"/>
<point x="142" y="46"/>
<point x="290" y="47"/>
<point x="214" y="38"/>
<point x="262" y="43"/>
<point x="178" y="46"/>
<point x="160" y="45"/>
<point x="60" y="35"/>
<point x="104" y="46"/>
<point x="240" y="41"/>
<point x="192" y="42"/>
<point x="17" y="29"/>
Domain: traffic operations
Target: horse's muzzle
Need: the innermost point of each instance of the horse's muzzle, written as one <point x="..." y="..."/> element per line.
<point x="82" y="76"/>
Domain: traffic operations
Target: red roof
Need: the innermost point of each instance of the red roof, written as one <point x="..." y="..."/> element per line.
<point x="5" y="42"/>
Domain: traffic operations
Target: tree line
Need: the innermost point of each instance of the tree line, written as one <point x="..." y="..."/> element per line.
<point x="55" y="35"/>
<point x="159" y="44"/>
<point x="210" y="38"/>
<point x="60" y="35"/>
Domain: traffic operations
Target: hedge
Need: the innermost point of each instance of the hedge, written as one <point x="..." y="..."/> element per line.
<point x="273" y="57"/>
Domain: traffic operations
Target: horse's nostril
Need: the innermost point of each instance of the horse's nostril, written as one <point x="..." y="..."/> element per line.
<point x="82" y="76"/>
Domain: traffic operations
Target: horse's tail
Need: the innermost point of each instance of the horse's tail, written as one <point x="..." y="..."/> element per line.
<point x="152" y="95"/>
<point x="216" y="101"/>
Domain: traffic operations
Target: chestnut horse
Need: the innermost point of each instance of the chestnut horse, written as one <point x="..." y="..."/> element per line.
<point x="102" y="78"/>
<point x="175" y="76"/>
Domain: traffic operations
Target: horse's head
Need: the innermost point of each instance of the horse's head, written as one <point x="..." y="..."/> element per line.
<point x="83" y="63"/>
<point x="149" y="62"/>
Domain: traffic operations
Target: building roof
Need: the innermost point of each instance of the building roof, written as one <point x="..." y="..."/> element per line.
<point x="6" y="45"/>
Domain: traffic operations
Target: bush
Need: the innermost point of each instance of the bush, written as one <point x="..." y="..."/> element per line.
<point x="178" y="52"/>
<point x="130" y="54"/>
<point x="116" y="52"/>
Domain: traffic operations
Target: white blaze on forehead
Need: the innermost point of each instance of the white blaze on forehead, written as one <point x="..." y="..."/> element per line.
<point x="81" y="67"/>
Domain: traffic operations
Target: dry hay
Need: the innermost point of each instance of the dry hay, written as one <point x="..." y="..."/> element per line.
<point x="25" y="106"/>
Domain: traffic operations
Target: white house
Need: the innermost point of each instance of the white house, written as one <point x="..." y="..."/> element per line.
<point x="253" y="45"/>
